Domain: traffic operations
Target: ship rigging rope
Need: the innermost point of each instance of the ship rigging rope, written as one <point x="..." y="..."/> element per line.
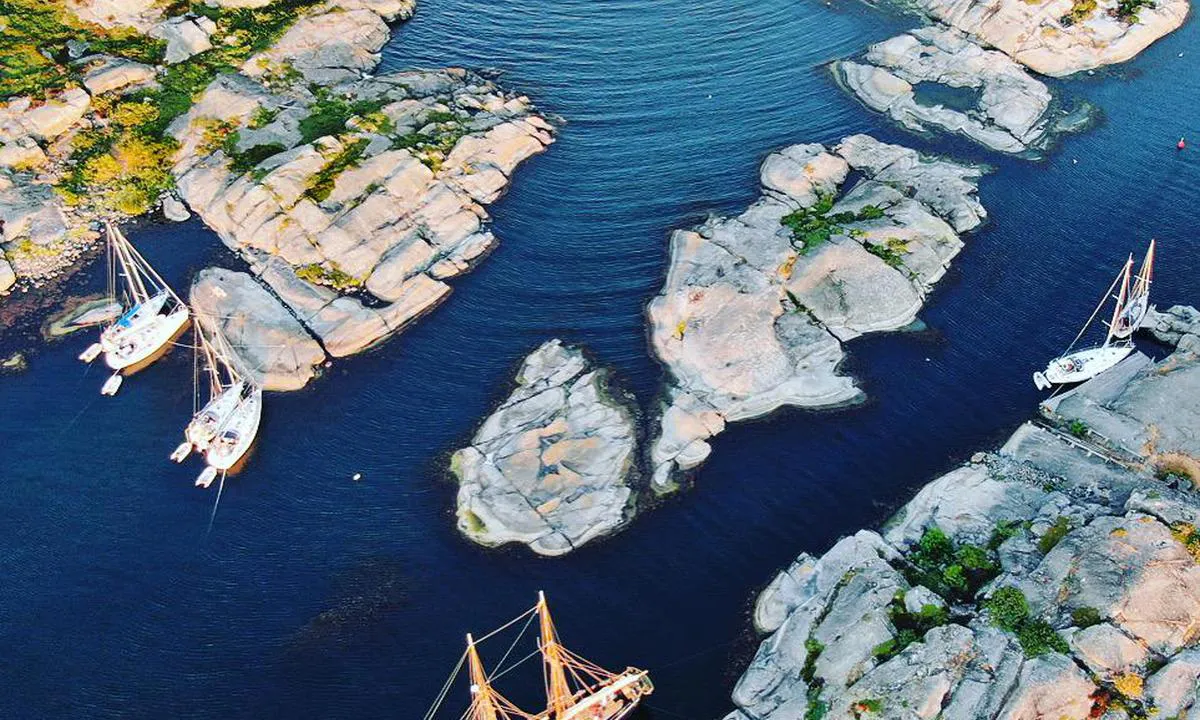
<point x="527" y="616"/>
<point x="1096" y="312"/>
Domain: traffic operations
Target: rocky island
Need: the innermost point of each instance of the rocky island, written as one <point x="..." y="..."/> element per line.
<point x="1005" y="108"/>
<point x="1061" y="37"/>
<point x="755" y="308"/>
<point x="353" y="197"/>
<point x="551" y="467"/>
<point x="1058" y="577"/>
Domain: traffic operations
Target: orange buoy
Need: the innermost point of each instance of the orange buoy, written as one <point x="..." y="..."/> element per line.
<point x="1181" y="144"/>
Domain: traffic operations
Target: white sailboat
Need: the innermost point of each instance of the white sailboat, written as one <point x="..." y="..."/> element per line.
<point x="153" y="314"/>
<point x="225" y="427"/>
<point x="1080" y="365"/>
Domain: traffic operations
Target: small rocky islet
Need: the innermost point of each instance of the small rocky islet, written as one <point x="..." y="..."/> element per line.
<point x="552" y="466"/>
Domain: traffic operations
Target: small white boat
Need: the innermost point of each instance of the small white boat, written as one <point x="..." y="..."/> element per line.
<point x="153" y="314"/>
<point x="1082" y="365"/>
<point x="1128" y="314"/>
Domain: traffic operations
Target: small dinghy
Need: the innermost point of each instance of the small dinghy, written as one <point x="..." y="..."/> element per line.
<point x="225" y="427"/>
<point x="153" y="315"/>
<point x="1132" y="306"/>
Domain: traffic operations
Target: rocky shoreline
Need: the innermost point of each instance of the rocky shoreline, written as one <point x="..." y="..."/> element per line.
<point x="552" y="466"/>
<point x="755" y="308"/>
<point x="353" y="198"/>
<point x="1056" y="577"/>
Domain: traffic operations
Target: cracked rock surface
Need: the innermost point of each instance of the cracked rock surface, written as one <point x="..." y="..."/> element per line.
<point x="748" y="321"/>
<point x="550" y="468"/>
<point x="1035" y="35"/>
<point x="355" y="224"/>
<point x="1099" y="538"/>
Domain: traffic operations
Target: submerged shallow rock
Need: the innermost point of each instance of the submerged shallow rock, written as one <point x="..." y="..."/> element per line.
<point x="1104" y="555"/>
<point x="551" y="467"/>
<point x="1010" y="112"/>
<point x="385" y="203"/>
<point x="749" y="320"/>
<point x="1035" y="34"/>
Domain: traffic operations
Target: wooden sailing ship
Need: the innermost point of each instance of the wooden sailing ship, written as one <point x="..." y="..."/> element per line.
<point x="575" y="688"/>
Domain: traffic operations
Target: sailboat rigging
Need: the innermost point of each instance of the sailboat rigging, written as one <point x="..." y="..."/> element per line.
<point x="1137" y="305"/>
<point x="225" y="427"/>
<point x="1132" y="304"/>
<point x="153" y="314"/>
<point x="575" y="688"/>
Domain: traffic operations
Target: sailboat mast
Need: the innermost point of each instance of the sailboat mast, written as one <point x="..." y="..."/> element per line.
<point x="483" y="705"/>
<point x="133" y="276"/>
<point x="1122" y="296"/>
<point x="558" y="692"/>
<point x="1145" y="276"/>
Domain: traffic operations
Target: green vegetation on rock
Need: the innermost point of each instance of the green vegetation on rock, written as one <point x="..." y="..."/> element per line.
<point x="1056" y="533"/>
<point x="33" y="46"/>
<point x="892" y="253"/>
<point x="1010" y="611"/>
<point x="321" y="184"/>
<point x="122" y="166"/>
<point x="1086" y="617"/>
<point x="910" y="627"/>
<point x="813" y="226"/>
<point x="330" y="275"/>
<point x="951" y="570"/>
<point x="329" y="114"/>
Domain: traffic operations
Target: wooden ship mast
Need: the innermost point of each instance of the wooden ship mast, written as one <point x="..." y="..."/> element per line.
<point x="576" y="689"/>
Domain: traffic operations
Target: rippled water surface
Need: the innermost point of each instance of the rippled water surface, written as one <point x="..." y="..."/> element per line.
<point x="315" y="596"/>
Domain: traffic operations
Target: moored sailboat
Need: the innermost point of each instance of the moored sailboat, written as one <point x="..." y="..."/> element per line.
<point x="1132" y="305"/>
<point x="225" y="427"/>
<point x="576" y="689"/>
<point x="153" y="314"/>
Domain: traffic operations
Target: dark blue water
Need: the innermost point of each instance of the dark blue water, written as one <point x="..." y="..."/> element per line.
<point x="315" y="596"/>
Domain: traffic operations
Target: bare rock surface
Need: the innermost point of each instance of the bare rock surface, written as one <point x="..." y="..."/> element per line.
<point x="750" y="319"/>
<point x="1037" y="36"/>
<point x="358" y="224"/>
<point x="1009" y="110"/>
<point x="185" y="36"/>
<point x="271" y="342"/>
<point x="550" y="468"/>
<point x="1102" y="551"/>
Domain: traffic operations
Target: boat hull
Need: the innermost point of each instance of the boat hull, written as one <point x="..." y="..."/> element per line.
<point x="212" y="417"/>
<point x="153" y="341"/>
<point x="237" y="435"/>
<point x="1081" y="366"/>
<point x="615" y="701"/>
